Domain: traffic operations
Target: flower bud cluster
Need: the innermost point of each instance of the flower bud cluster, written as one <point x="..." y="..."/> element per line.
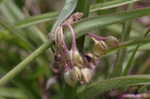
<point x="70" y="63"/>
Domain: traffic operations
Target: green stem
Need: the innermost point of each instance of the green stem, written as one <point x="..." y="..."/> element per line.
<point x="70" y="92"/>
<point x="101" y="86"/>
<point x="122" y="53"/>
<point x="11" y="74"/>
<point x="144" y="68"/>
<point x="127" y="44"/>
<point x="129" y="66"/>
<point x="82" y="6"/>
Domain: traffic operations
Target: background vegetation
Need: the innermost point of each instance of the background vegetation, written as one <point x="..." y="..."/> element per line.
<point x="25" y="60"/>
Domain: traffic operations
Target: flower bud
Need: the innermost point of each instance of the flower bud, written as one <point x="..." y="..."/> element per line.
<point x="68" y="78"/>
<point x="76" y="73"/>
<point x="76" y="58"/>
<point x="112" y="41"/>
<point x="72" y="76"/>
<point x="87" y="74"/>
<point x="99" y="48"/>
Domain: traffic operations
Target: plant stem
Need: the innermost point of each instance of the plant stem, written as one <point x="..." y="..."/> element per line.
<point x="129" y="66"/>
<point x="11" y="74"/>
<point x="129" y="43"/>
<point x="122" y="53"/>
<point x="101" y="86"/>
<point x="70" y="92"/>
<point x="84" y="7"/>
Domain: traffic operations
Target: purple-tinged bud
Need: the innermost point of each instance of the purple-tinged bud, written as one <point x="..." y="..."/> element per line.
<point x="76" y="73"/>
<point x="68" y="78"/>
<point x="76" y="58"/>
<point x="72" y="76"/>
<point x="87" y="74"/>
<point x="100" y="47"/>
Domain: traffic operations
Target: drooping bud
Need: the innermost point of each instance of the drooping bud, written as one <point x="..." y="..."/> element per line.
<point x="74" y="53"/>
<point x="72" y="76"/>
<point x="76" y="58"/>
<point x="76" y="73"/>
<point x="68" y="78"/>
<point x="112" y="41"/>
<point x="87" y="74"/>
<point x="100" y="47"/>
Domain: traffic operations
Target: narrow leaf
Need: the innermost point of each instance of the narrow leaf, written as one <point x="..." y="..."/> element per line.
<point x="119" y="82"/>
<point x="110" y="4"/>
<point x="102" y="21"/>
<point x="130" y="43"/>
<point x="36" y="19"/>
<point x="129" y="65"/>
<point x="53" y="15"/>
<point x="126" y="29"/>
<point x="11" y="74"/>
<point x="69" y="7"/>
<point x="82" y="6"/>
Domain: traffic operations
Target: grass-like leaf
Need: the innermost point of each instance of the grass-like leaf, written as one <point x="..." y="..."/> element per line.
<point x="129" y="65"/>
<point x="130" y="43"/>
<point x="69" y="7"/>
<point x="52" y="15"/>
<point x="17" y="93"/>
<point x="110" y="4"/>
<point x="36" y="19"/>
<point x="12" y="31"/>
<point x="11" y="74"/>
<point x="106" y="85"/>
<point x="102" y="21"/>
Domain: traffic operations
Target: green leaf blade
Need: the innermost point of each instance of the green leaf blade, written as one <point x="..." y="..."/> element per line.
<point x="69" y="7"/>
<point x="110" y="4"/>
<point x="118" y="82"/>
<point x="102" y="21"/>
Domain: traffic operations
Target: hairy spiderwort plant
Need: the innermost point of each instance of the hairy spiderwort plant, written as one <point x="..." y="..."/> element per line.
<point x="74" y="67"/>
<point x="81" y="62"/>
<point x="69" y="62"/>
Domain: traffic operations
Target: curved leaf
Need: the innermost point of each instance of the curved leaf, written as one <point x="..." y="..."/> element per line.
<point x="69" y="7"/>
<point x="52" y="15"/>
<point x="110" y="4"/>
<point x="17" y="93"/>
<point x="83" y="6"/>
<point x="118" y="82"/>
<point x="129" y="65"/>
<point x="101" y="21"/>
<point x="130" y="43"/>
<point x="36" y="19"/>
<point x="12" y="73"/>
<point x="9" y="27"/>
